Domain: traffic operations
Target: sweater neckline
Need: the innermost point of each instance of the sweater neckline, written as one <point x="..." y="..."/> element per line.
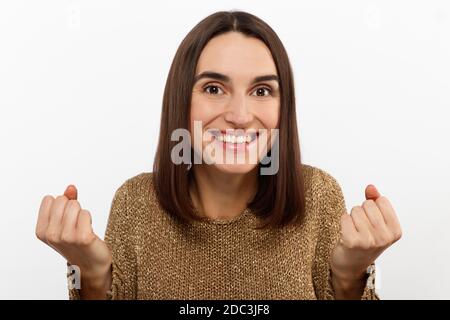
<point x="206" y="220"/>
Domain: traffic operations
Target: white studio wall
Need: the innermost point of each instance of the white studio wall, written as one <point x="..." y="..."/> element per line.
<point x="81" y="85"/>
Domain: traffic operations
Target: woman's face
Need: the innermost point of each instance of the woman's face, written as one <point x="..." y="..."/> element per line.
<point x="236" y="94"/>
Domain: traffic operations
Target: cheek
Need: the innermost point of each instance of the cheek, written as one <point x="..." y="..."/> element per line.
<point x="202" y="110"/>
<point x="269" y="116"/>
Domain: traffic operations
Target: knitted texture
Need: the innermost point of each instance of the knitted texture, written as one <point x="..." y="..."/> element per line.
<point x="157" y="256"/>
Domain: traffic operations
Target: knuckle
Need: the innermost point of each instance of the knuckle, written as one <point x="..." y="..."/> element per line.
<point x="47" y="198"/>
<point x="52" y="237"/>
<point x="381" y="200"/>
<point x="84" y="239"/>
<point x="355" y="209"/>
<point x="367" y="203"/>
<point x="398" y="234"/>
<point x="389" y="239"/>
<point x="379" y="244"/>
<point x="61" y="198"/>
<point x="67" y="237"/>
<point x="73" y="204"/>
<point x="368" y="243"/>
<point x="352" y="244"/>
<point x="40" y="234"/>
<point x="383" y="242"/>
<point x="372" y="242"/>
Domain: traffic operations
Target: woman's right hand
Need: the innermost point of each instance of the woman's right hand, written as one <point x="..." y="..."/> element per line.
<point x="66" y="227"/>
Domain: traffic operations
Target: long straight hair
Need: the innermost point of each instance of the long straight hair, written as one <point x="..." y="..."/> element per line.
<point x="280" y="198"/>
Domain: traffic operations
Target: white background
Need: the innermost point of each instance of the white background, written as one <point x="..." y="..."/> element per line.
<point x="81" y="86"/>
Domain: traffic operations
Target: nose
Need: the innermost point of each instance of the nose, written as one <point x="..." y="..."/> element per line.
<point x="238" y="113"/>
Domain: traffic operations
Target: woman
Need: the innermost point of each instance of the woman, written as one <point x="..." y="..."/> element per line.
<point x="199" y="227"/>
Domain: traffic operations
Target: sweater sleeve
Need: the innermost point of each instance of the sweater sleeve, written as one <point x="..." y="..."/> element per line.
<point x="332" y="208"/>
<point x="119" y="238"/>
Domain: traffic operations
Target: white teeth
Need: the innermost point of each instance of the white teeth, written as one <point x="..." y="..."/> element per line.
<point x="235" y="139"/>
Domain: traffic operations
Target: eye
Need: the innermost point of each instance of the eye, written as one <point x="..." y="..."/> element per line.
<point x="262" y="91"/>
<point x="212" y="89"/>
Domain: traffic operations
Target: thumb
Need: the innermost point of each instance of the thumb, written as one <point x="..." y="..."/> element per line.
<point x="71" y="192"/>
<point x="372" y="192"/>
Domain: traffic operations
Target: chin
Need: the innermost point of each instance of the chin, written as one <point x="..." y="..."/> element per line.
<point x="236" y="168"/>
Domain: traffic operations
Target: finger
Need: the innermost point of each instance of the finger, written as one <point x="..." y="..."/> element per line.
<point x="374" y="215"/>
<point x="56" y="214"/>
<point x="348" y="229"/>
<point x="70" y="218"/>
<point x="84" y="226"/>
<point x="361" y="221"/>
<point x="71" y="192"/>
<point x="389" y="215"/>
<point x="43" y="217"/>
<point x="371" y="192"/>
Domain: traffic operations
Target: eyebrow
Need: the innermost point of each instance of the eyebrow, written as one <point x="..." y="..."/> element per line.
<point x="225" y="78"/>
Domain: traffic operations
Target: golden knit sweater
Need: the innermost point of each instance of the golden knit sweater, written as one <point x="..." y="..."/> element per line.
<point x="155" y="256"/>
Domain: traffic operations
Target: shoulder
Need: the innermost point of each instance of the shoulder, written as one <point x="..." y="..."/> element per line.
<point x="134" y="198"/>
<point x="318" y="179"/>
<point x="322" y="190"/>
<point x="141" y="180"/>
<point x="137" y="186"/>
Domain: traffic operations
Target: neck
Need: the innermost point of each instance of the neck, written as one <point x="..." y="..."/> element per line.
<point x="222" y="196"/>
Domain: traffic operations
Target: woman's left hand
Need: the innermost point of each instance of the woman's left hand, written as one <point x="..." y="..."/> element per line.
<point x="365" y="233"/>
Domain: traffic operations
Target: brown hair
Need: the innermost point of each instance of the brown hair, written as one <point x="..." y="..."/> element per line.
<point x="280" y="198"/>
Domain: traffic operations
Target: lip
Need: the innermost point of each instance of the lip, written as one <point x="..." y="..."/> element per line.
<point x="230" y="131"/>
<point x="235" y="147"/>
<point x="248" y="131"/>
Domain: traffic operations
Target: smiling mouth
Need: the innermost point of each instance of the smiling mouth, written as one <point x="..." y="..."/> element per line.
<point x="231" y="137"/>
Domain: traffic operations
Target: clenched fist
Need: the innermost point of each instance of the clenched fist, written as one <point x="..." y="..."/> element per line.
<point x="365" y="233"/>
<point x="66" y="227"/>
